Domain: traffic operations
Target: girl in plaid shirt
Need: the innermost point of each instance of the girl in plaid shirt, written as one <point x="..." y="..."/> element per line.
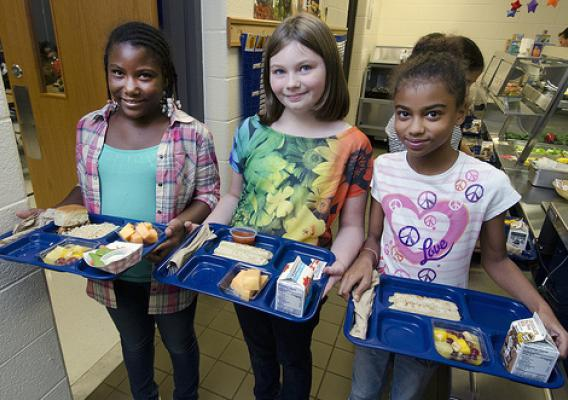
<point x="141" y="157"/>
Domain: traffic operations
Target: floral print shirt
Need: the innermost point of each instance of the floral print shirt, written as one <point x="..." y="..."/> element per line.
<point x="295" y="186"/>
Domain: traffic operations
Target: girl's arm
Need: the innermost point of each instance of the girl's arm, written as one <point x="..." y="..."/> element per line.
<point x="508" y="276"/>
<point x="348" y="239"/>
<point x="74" y="197"/>
<point x="360" y="273"/>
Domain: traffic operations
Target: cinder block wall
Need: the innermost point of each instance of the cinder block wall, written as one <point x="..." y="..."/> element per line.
<point x="31" y="364"/>
<point x="402" y="22"/>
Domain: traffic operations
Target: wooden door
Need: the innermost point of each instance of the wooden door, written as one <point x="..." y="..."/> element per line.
<point x="74" y="85"/>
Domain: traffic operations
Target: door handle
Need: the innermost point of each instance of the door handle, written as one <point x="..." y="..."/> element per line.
<point x="17" y="71"/>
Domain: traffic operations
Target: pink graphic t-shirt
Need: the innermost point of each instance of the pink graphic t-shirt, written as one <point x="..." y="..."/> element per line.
<point x="432" y="222"/>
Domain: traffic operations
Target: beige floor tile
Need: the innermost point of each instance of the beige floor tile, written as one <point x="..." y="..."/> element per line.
<point x="117" y="395"/>
<point x="159" y="378"/>
<point x="210" y="300"/>
<point x="207" y="395"/>
<point x="167" y="388"/>
<point x="229" y="306"/>
<point x="205" y="365"/>
<point x="317" y="376"/>
<point x="117" y="376"/>
<point x="162" y="358"/>
<point x="320" y="354"/>
<point x="332" y="313"/>
<point x="198" y="329"/>
<point x="236" y="354"/>
<point x="334" y="387"/>
<point x="334" y="298"/>
<point x="205" y="314"/>
<point x="101" y="392"/>
<point x="245" y="391"/>
<point x="341" y="363"/>
<point x="239" y="335"/>
<point x="213" y="343"/>
<point x="326" y="332"/>
<point x="342" y="343"/>
<point x="224" y="379"/>
<point x="225" y="322"/>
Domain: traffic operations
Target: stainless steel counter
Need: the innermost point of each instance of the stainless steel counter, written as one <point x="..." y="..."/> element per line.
<point x="534" y="200"/>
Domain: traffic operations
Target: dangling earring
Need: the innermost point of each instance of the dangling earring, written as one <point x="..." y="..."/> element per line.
<point x="113" y="105"/>
<point x="169" y="105"/>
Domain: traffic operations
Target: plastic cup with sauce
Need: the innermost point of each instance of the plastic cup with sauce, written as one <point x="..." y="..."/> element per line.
<point x="243" y="235"/>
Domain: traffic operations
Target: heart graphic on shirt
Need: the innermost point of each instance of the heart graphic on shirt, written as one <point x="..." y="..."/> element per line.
<point x="413" y="236"/>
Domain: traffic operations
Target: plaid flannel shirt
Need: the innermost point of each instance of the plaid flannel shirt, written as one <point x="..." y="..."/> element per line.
<point x="187" y="170"/>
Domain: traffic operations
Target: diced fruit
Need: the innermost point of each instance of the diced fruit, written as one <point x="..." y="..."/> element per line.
<point x="440" y="335"/>
<point x="127" y="232"/>
<point x="458" y="345"/>
<point x="444" y="349"/>
<point x="136" y="238"/>
<point x="550" y="137"/>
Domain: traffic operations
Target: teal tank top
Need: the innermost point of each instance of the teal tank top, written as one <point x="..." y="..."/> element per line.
<point x="128" y="189"/>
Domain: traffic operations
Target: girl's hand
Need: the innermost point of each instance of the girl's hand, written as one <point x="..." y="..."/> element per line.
<point x="335" y="273"/>
<point x="175" y="233"/>
<point x="358" y="276"/>
<point x="23" y="214"/>
<point x="557" y="332"/>
<point x="189" y="226"/>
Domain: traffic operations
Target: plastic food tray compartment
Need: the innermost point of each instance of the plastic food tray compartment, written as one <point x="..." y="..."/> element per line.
<point x="488" y="316"/>
<point x="206" y="273"/>
<point x="30" y="248"/>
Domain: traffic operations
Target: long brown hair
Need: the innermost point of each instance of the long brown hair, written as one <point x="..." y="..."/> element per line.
<point x="315" y="35"/>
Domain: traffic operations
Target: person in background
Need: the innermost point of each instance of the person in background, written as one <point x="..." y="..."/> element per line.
<point x="563" y="38"/>
<point x="461" y="47"/>
<point x="429" y="98"/>
<point x="296" y="168"/>
<point x="141" y="157"/>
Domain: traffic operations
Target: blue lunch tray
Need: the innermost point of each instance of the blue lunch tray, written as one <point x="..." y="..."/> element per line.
<point x="412" y="334"/>
<point x="28" y="248"/>
<point x="207" y="273"/>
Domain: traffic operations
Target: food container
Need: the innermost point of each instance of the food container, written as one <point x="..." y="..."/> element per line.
<point x="65" y="253"/>
<point x="529" y="351"/>
<point x="543" y="177"/>
<point x="122" y="255"/>
<point x="243" y="235"/>
<point x="459" y="342"/>
<point x="561" y="187"/>
<point x="244" y="290"/>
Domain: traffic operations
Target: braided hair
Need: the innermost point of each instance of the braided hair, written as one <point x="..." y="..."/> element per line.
<point x="144" y="35"/>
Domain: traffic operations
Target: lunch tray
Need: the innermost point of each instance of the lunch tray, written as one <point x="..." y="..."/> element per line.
<point x="412" y="334"/>
<point x="206" y="273"/>
<point x="28" y="248"/>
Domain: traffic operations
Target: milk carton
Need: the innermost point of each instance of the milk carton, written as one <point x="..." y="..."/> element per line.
<point x="294" y="285"/>
<point x="529" y="351"/>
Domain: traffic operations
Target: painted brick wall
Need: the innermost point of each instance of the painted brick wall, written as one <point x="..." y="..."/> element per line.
<point x="402" y="22"/>
<point x="31" y="364"/>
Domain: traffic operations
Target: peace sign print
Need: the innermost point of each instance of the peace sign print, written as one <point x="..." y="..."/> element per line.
<point x="394" y="204"/>
<point x="427" y="275"/>
<point x="472" y="175"/>
<point x="460" y="185"/>
<point x="455" y="205"/>
<point x="430" y="221"/>
<point x="401" y="273"/>
<point x="408" y="236"/>
<point x="427" y="200"/>
<point x="474" y="193"/>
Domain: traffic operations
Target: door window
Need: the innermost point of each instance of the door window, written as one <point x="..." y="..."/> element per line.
<point x="46" y="45"/>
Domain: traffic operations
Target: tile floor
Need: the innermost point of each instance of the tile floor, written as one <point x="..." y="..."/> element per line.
<point x="225" y="367"/>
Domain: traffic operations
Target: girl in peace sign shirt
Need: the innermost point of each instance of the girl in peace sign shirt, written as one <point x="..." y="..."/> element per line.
<point x="429" y="206"/>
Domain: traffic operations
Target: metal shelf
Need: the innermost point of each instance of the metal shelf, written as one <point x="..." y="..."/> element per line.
<point x="519" y="108"/>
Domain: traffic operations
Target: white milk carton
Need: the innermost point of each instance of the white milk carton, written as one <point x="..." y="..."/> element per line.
<point x="529" y="351"/>
<point x="294" y="285"/>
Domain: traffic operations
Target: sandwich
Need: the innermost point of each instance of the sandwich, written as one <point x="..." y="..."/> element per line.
<point x="70" y="216"/>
